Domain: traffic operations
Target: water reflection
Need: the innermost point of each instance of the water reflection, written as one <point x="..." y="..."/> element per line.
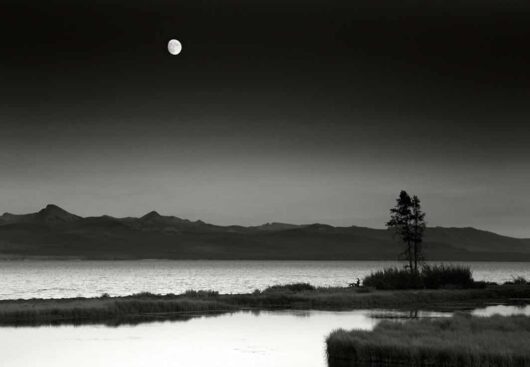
<point x="238" y="339"/>
<point x="245" y="338"/>
<point x="407" y="315"/>
<point x="503" y="310"/>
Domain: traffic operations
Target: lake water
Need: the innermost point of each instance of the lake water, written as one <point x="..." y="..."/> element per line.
<point x="240" y="339"/>
<point x="57" y="279"/>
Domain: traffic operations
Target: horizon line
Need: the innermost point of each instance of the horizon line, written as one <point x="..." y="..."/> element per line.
<point x="51" y="205"/>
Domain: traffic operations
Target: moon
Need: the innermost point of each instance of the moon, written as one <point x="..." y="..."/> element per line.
<point x="174" y="47"/>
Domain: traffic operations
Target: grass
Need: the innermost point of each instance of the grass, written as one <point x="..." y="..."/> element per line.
<point x="518" y="280"/>
<point x="146" y="306"/>
<point x="430" y="277"/>
<point x="202" y="293"/>
<point x="461" y="340"/>
<point x="393" y="278"/>
<point x="108" y="310"/>
<point x="444" y="276"/>
<point x="293" y="287"/>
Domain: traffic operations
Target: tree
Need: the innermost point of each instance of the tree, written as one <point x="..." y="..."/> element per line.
<point x="408" y="222"/>
<point x="417" y="230"/>
<point x="400" y="222"/>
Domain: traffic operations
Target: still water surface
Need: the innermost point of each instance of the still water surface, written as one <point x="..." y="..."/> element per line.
<point x="57" y="279"/>
<point x="264" y="339"/>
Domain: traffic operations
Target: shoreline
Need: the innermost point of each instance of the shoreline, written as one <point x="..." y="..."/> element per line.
<point x="4" y="258"/>
<point x="146" y="307"/>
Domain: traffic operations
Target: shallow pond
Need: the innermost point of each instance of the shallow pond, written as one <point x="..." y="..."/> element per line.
<point x="260" y="339"/>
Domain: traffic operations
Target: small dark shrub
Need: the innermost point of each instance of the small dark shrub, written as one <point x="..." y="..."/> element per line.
<point x="363" y="290"/>
<point x="481" y="284"/>
<point x="393" y="278"/>
<point x="430" y="277"/>
<point x="145" y="294"/>
<point x="294" y="287"/>
<point x="446" y="276"/>
<point x="206" y="293"/>
<point x="519" y="280"/>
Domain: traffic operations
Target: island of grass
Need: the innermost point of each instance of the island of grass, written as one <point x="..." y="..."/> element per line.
<point x="458" y="341"/>
<point x="146" y="306"/>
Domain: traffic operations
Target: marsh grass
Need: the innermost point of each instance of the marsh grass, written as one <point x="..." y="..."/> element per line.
<point x="201" y="293"/>
<point x="293" y="287"/>
<point x="147" y="306"/>
<point x="393" y="278"/>
<point x="460" y="341"/>
<point x="430" y="277"/>
<point x="519" y="280"/>
<point x="444" y="276"/>
<point x="131" y="309"/>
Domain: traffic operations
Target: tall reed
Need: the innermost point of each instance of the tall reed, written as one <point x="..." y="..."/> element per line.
<point x="459" y="341"/>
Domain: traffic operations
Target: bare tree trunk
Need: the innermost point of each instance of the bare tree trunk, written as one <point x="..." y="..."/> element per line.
<point x="415" y="241"/>
<point x="409" y="253"/>
<point x="415" y="258"/>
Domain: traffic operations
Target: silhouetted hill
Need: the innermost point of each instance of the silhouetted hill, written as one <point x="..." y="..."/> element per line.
<point x="53" y="232"/>
<point x="51" y="214"/>
<point x="275" y="226"/>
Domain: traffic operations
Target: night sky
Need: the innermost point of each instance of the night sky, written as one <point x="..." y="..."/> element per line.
<point x="291" y="111"/>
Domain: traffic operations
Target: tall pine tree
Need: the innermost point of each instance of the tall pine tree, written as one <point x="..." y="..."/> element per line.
<point x="399" y="223"/>
<point x="408" y="222"/>
<point x="417" y="224"/>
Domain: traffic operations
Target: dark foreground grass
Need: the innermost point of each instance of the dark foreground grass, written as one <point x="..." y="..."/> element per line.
<point x="146" y="306"/>
<point x="459" y="341"/>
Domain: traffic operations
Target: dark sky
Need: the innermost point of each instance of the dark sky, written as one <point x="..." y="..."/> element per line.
<point x="295" y="111"/>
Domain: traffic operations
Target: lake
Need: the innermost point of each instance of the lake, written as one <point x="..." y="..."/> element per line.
<point x="57" y="279"/>
<point x="240" y="339"/>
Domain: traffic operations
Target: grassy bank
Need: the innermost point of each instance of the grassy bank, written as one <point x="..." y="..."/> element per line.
<point x="146" y="306"/>
<point x="457" y="341"/>
<point x="428" y="277"/>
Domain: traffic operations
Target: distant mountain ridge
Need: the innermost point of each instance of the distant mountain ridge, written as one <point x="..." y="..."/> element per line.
<point x="55" y="233"/>
<point x="51" y="214"/>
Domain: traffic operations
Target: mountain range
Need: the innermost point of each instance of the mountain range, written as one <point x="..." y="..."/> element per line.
<point x="55" y="233"/>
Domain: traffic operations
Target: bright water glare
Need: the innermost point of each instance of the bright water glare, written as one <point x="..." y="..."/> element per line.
<point x="58" y="279"/>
